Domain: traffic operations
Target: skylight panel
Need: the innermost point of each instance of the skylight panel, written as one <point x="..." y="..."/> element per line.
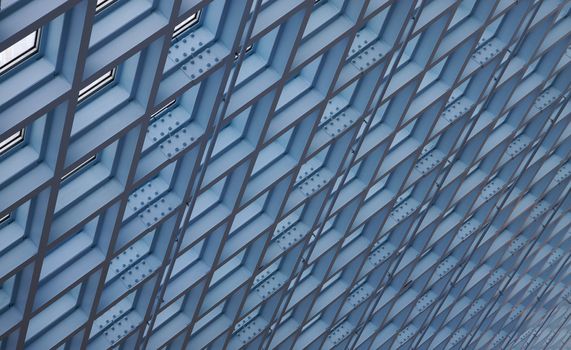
<point x="103" y="4"/>
<point x="19" y="51"/>
<point x="4" y="218"/>
<point x="248" y="49"/>
<point x="79" y="167"/>
<point x="157" y="113"/>
<point x="11" y="141"/>
<point x="96" y="85"/>
<point x="186" y="24"/>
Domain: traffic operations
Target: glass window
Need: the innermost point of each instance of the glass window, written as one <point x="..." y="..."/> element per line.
<point x="81" y="166"/>
<point x="4" y="218"/>
<point x="19" y="51"/>
<point x="156" y="115"/>
<point x="186" y="24"/>
<point x="103" y="4"/>
<point x="11" y="141"/>
<point x="97" y="85"/>
<point x="237" y="53"/>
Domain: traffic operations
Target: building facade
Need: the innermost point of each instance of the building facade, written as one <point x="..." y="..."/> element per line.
<point x="285" y="174"/>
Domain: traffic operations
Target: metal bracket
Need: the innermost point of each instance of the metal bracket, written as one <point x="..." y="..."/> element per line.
<point x="380" y="254"/>
<point x="555" y="255"/>
<point x="122" y="327"/>
<point x="290" y="237"/>
<point x="563" y="173"/>
<point x="424" y="302"/>
<point x="340" y="122"/>
<point x="535" y="285"/>
<point x="566" y="294"/>
<point x="123" y="261"/>
<point x="164" y="125"/>
<point x="313" y="183"/>
<point x="457" y="109"/>
<point x="403" y="210"/>
<point x="446" y="266"/>
<point x="457" y="337"/>
<point x="368" y="57"/>
<point x="158" y="210"/>
<point x="143" y="196"/>
<point x="406" y="334"/>
<point x="518" y="243"/>
<point x="428" y="162"/>
<point x="365" y="49"/>
<point x="495" y="277"/>
<point x="307" y="170"/>
<point x="491" y="189"/>
<point x="177" y="142"/>
<point x="189" y="47"/>
<point x="476" y="307"/>
<point x="467" y="229"/>
<point x="499" y="339"/>
<point x="340" y="332"/>
<point x="363" y="38"/>
<point x="249" y="317"/>
<point x="110" y="316"/>
<point x="266" y="273"/>
<point x="546" y="98"/>
<point x="270" y="285"/>
<point x="487" y="52"/>
<point x="538" y="210"/>
<point x="138" y="272"/>
<point x="250" y="331"/>
<point x="360" y="294"/>
<point x="517" y="311"/>
<point x="517" y="145"/>
<point x="334" y="106"/>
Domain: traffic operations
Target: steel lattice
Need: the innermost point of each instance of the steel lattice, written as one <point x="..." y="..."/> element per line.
<point x="285" y="174"/>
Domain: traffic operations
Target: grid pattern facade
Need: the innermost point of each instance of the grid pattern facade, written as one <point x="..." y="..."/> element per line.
<point x="285" y="174"/>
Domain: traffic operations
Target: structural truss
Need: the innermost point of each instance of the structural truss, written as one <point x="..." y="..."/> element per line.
<point x="285" y="174"/>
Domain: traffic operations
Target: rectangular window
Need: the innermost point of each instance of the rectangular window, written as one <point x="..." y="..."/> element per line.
<point x="248" y="49"/>
<point x="186" y="24"/>
<point x="157" y="113"/>
<point x="4" y="218"/>
<point x="97" y="85"/>
<point x="103" y="4"/>
<point x="11" y="141"/>
<point x="20" y="51"/>
<point x="81" y="166"/>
